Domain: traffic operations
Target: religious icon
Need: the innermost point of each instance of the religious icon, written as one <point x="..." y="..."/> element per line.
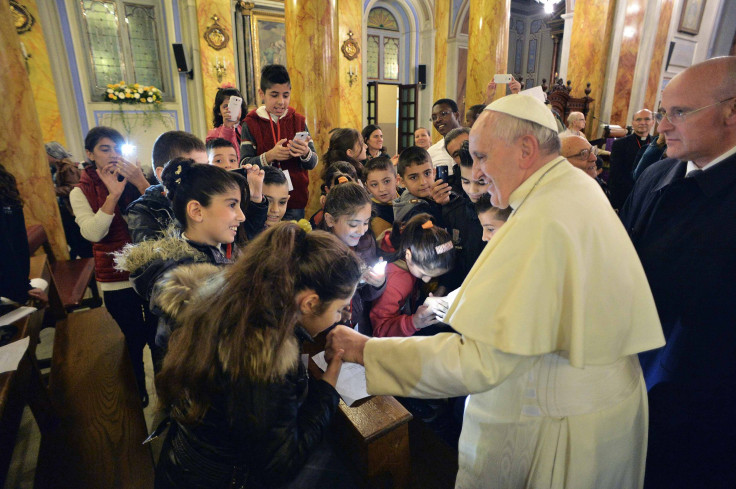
<point x="215" y="34"/>
<point x="350" y="48"/>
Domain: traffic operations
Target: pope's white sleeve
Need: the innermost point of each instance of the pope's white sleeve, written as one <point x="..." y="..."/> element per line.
<point x="444" y="365"/>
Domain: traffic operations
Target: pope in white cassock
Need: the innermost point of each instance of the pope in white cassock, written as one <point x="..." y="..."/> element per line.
<point x="550" y="318"/>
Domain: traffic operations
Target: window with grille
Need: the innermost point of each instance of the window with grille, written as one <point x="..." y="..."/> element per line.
<point x="124" y="41"/>
<point x="383" y="46"/>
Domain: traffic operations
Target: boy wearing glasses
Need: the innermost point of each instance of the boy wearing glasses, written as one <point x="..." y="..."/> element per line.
<point x="623" y="154"/>
<point x="445" y="118"/>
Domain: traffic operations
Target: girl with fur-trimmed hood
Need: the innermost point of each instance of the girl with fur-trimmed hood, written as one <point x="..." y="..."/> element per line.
<point x="244" y="412"/>
<point x="206" y="201"/>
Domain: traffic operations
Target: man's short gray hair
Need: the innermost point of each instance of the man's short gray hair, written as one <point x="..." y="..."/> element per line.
<point x="455" y="133"/>
<point x="509" y="128"/>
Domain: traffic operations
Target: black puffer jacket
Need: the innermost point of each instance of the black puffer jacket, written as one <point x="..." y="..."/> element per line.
<point x="150" y="214"/>
<point x="257" y="433"/>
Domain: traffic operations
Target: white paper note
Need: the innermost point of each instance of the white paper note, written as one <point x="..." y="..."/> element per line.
<point x="11" y="354"/>
<point x="535" y="92"/>
<point x="450" y="298"/>
<point x="351" y="383"/>
<point x="15" y="315"/>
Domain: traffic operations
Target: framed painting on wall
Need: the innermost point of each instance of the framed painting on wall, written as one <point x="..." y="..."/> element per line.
<point x="690" y="16"/>
<point x="269" y="42"/>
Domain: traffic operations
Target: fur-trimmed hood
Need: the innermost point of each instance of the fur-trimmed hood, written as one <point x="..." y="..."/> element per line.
<point x="134" y="257"/>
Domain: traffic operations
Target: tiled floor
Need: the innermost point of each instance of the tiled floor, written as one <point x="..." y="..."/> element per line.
<point x="23" y="464"/>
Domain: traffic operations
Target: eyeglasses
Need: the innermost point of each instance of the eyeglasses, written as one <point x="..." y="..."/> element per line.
<point x="443" y="114"/>
<point x="583" y="155"/>
<point x="679" y="115"/>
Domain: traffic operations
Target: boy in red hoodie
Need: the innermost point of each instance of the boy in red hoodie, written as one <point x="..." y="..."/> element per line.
<point x="268" y="138"/>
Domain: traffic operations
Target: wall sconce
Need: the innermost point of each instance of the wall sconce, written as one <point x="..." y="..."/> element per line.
<point x="352" y="76"/>
<point x="220" y="69"/>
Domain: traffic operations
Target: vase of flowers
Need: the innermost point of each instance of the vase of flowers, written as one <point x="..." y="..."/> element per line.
<point x="135" y="103"/>
<point x="122" y="93"/>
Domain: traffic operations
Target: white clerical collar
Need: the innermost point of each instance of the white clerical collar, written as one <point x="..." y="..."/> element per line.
<point x="692" y="166"/>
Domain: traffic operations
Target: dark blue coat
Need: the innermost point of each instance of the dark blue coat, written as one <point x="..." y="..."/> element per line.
<point x="684" y="230"/>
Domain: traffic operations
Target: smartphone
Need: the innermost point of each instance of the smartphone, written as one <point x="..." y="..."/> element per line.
<point x="234" y="105"/>
<point x="502" y="78"/>
<point x="379" y="267"/>
<point x="301" y="136"/>
<point x="441" y="173"/>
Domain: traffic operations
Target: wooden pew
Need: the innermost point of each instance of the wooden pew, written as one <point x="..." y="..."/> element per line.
<point x="98" y="442"/>
<point x="22" y="387"/>
<point x="373" y="432"/>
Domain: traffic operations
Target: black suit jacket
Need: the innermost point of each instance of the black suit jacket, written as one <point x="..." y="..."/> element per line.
<point x="621" y="176"/>
<point x="684" y="230"/>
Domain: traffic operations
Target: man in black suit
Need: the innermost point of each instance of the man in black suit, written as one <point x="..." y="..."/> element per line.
<point x="681" y="217"/>
<point x="623" y="154"/>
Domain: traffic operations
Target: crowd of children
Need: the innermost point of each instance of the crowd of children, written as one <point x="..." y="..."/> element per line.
<point x="200" y="266"/>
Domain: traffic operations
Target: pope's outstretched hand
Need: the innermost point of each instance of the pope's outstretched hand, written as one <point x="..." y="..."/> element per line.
<point x="347" y="339"/>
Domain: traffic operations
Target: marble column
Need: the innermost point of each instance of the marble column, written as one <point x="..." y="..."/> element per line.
<point x="488" y="47"/>
<point x="660" y="46"/>
<point x="627" y="61"/>
<point x="312" y="57"/>
<point x="350" y="20"/>
<point x="42" y="80"/>
<point x="211" y="57"/>
<point x="589" y="47"/>
<point x="439" y="76"/>
<point x="565" y="53"/>
<point x="24" y="155"/>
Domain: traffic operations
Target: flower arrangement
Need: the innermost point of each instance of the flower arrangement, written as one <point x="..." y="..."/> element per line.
<point x="122" y="93"/>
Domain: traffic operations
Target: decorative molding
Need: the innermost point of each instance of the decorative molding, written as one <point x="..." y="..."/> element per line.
<point x="350" y="48"/>
<point x="22" y="18"/>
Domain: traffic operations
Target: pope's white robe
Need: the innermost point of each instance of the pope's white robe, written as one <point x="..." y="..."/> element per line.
<point x="551" y="318"/>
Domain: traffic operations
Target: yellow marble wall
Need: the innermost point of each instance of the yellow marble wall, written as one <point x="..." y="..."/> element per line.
<point x="439" y="77"/>
<point x="42" y="81"/>
<point x="660" y="46"/>
<point x="23" y="155"/>
<point x="312" y="52"/>
<point x="589" y="46"/>
<point x="209" y="56"/>
<point x="350" y="18"/>
<point x="627" y="60"/>
<point x="488" y="46"/>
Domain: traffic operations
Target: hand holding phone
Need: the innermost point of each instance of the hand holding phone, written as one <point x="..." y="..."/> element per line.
<point x="234" y="105"/>
<point x="505" y="78"/>
<point x="301" y="136"/>
<point x="442" y="172"/>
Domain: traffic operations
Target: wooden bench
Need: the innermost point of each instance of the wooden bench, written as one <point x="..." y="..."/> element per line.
<point x="98" y="440"/>
<point x="72" y="277"/>
<point x="22" y="387"/>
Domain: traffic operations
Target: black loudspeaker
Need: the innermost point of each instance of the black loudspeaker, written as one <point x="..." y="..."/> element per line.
<point x="422" y="76"/>
<point x="181" y="59"/>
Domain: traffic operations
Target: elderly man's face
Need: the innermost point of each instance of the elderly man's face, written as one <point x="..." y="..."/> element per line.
<point x="579" y="123"/>
<point x="494" y="160"/>
<point x="581" y="154"/>
<point x="643" y="122"/>
<point x="698" y="137"/>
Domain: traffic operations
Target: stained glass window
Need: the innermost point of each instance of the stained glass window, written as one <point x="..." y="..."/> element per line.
<point x="390" y="58"/>
<point x="143" y="39"/>
<point x="124" y="42"/>
<point x="372" y="57"/>
<point x="381" y="18"/>
<point x="105" y="49"/>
